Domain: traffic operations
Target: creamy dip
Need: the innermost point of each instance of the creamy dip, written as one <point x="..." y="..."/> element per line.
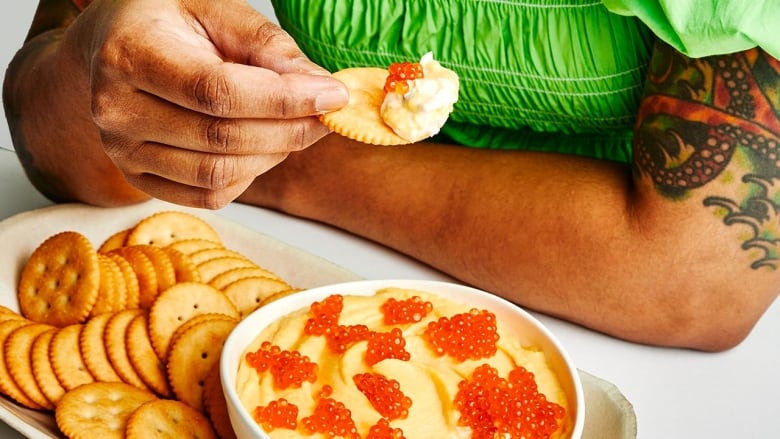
<point x="430" y="380"/>
<point x="424" y="108"/>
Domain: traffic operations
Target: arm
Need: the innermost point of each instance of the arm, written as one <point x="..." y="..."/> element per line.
<point x="184" y="101"/>
<point x="588" y="241"/>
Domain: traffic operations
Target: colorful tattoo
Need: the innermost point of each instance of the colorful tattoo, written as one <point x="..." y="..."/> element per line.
<point x="714" y="118"/>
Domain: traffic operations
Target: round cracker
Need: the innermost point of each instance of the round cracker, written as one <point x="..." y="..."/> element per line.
<point x="360" y="119"/>
<point x="93" y="349"/>
<point x="17" y="353"/>
<point x="112" y="293"/>
<point x="66" y="359"/>
<point x="99" y="410"/>
<point x="143" y="358"/>
<point x="42" y="369"/>
<point x="248" y="293"/>
<point x="116" y="348"/>
<point x="192" y="355"/>
<point x="166" y="275"/>
<point x="190" y="246"/>
<point x="225" y="278"/>
<point x="180" y="303"/>
<point x="214" y="267"/>
<point x="8" y="385"/>
<point x="278" y="295"/>
<point x="145" y="273"/>
<point x="204" y="255"/>
<point x="114" y="241"/>
<point x="168" y="418"/>
<point x="214" y="404"/>
<point x="164" y="228"/>
<point x="184" y="269"/>
<point x="59" y="282"/>
<point x="132" y="291"/>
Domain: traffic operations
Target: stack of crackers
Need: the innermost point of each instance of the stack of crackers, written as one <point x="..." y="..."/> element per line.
<point x="124" y="339"/>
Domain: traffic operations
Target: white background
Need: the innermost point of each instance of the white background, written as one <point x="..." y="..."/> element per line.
<point x="15" y="19"/>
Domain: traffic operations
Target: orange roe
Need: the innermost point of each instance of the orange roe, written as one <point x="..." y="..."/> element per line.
<point x="410" y="310"/>
<point x="399" y="74"/>
<point x="466" y="336"/>
<point x="384" y="394"/>
<point x="288" y="368"/>
<point x="332" y="418"/>
<point x="383" y="430"/>
<point x="384" y="345"/>
<point x="324" y="315"/>
<point x="513" y="407"/>
<point x="340" y="337"/>
<point x="277" y="414"/>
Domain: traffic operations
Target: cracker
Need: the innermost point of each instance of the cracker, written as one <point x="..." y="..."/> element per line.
<point x="145" y="273"/>
<point x="116" y="348"/>
<point x="184" y="269"/>
<point x="168" y="418"/>
<point x="42" y="369"/>
<point x="192" y="354"/>
<point x="180" y="303"/>
<point x="164" y="228"/>
<point x="248" y="293"/>
<point x="225" y="278"/>
<point x="112" y="292"/>
<point x="143" y="358"/>
<point x="66" y="359"/>
<point x="360" y="119"/>
<point x="17" y="350"/>
<point x="278" y="295"/>
<point x="215" y="406"/>
<point x="99" y="410"/>
<point x="114" y="241"/>
<point x="93" y="349"/>
<point x="59" y="282"/>
<point x="190" y="246"/>
<point x="214" y="267"/>
<point x="8" y="385"/>
<point x="166" y="275"/>
<point x="132" y="291"/>
<point x="204" y="255"/>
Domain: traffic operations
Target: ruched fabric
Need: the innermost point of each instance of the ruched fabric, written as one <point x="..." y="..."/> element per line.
<point x="704" y="27"/>
<point x="551" y="75"/>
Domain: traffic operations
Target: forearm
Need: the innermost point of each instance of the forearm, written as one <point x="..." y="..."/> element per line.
<point x="47" y="106"/>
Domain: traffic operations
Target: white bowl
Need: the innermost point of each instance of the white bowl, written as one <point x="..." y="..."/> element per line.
<point x="514" y="319"/>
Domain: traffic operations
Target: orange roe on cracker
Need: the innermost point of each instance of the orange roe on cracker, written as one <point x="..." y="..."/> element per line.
<point x="384" y="394"/>
<point x="332" y="418"/>
<point x="383" y="430"/>
<point x="277" y="414"/>
<point x="409" y="310"/>
<point x="384" y="345"/>
<point x="399" y="74"/>
<point x="465" y="336"/>
<point x="288" y="368"/>
<point x="493" y="406"/>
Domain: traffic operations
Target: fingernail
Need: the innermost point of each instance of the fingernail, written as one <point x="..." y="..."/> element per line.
<point x="331" y="99"/>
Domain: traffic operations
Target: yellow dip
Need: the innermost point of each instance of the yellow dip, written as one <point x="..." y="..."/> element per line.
<point x="429" y="380"/>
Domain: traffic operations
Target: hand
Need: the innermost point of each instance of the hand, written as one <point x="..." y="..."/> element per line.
<point x="194" y="98"/>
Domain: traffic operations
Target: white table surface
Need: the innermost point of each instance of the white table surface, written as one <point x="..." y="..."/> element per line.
<point x="675" y="393"/>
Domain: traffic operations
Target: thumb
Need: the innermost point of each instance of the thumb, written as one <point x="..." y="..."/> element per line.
<point x="243" y="35"/>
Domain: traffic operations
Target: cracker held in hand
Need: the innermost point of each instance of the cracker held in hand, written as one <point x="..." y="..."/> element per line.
<point x="406" y="103"/>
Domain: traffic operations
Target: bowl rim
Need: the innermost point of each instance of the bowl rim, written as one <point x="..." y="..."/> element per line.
<point x="236" y="342"/>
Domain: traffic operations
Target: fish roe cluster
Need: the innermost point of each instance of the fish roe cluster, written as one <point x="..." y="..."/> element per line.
<point x="289" y="369"/>
<point x="401" y="72"/>
<point x="466" y="336"/>
<point x="383" y="430"/>
<point x="384" y="394"/>
<point x="332" y="418"/>
<point x="341" y="337"/>
<point x="493" y="406"/>
<point x="410" y="310"/>
<point x="324" y="315"/>
<point x="277" y="414"/>
<point x="385" y="345"/>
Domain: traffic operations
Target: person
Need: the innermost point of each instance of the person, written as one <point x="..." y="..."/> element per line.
<point x="611" y="163"/>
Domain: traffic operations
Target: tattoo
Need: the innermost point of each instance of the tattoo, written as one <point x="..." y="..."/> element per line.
<point x="715" y="118"/>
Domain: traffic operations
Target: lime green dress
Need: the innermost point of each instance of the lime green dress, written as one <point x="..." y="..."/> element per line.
<point x="551" y="75"/>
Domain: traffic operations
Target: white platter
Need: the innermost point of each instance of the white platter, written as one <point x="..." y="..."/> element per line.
<point x="607" y="413"/>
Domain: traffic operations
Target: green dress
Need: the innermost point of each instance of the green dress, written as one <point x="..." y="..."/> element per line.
<point x="551" y="75"/>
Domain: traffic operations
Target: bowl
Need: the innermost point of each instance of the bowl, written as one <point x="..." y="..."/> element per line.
<point x="526" y="328"/>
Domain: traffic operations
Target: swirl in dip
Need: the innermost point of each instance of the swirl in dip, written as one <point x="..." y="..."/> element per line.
<point x="416" y="364"/>
<point x="424" y="106"/>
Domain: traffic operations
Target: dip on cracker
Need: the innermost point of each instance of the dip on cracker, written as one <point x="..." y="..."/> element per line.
<point x="406" y="103"/>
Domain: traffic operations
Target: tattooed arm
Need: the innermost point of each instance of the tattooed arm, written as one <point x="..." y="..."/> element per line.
<point x="674" y="255"/>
